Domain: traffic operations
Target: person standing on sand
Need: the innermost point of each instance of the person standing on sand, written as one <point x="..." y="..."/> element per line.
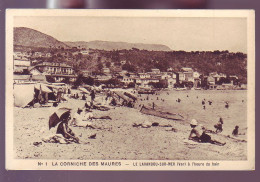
<point x="92" y="95"/>
<point x="200" y="134"/>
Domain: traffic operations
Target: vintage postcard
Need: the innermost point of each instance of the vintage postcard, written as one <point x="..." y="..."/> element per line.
<point x="130" y="89"/>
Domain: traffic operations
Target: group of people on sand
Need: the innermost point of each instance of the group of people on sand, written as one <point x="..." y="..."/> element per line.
<point x="198" y="132"/>
<point x="64" y="134"/>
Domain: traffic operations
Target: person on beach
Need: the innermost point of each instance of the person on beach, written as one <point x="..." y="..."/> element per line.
<point x="76" y="96"/>
<point x="88" y="105"/>
<point x="218" y="126"/>
<point x="92" y="95"/>
<point x="235" y="131"/>
<point x="83" y="97"/>
<point x="65" y="131"/>
<point x="227" y="105"/>
<point x="198" y="134"/>
<point x="77" y="118"/>
<point x="87" y="119"/>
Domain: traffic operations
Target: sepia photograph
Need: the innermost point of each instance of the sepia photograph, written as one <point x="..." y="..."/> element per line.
<point x="130" y="90"/>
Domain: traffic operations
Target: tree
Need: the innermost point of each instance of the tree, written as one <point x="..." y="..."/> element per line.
<point x="100" y="66"/>
<point x="89" y="80"/>
<point x="128" y="67"/>
<point x="50" y="79"/>
<point x="108" y="64"/>
<point x="131" y="85"/>
<point x="79" y="80"/>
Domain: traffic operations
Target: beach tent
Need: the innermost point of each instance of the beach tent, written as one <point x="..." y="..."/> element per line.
<point x="43" y="88"/>
<point x="23" y="94"/>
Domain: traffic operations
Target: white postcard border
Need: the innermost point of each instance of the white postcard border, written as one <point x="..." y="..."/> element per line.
<point x="23" y="164"/>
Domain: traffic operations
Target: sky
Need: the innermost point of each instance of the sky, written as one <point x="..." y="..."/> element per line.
<point x="188" y="34"/>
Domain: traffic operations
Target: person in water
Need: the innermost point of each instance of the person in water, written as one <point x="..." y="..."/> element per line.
<point x="198" y="134"/>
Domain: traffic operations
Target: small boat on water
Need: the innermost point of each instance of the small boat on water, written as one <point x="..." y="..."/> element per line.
<point x="146" y="91"/>
<point x="167" y="115"/>
<point x="181" y="89"/>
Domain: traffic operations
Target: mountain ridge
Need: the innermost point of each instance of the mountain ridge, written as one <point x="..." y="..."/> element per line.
<point x="29" y="37"/>
<point x="113" y="45"/>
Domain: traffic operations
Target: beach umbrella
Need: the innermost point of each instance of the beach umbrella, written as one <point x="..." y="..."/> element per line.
<point x="84" y="90"/>
<point x="55" y="118"/>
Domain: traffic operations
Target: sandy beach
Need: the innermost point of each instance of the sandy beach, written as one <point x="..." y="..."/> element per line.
<point x="118" y="139"/>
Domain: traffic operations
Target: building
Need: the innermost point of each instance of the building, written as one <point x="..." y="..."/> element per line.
<point x="188" y="72"/>
<point x="155" y="71"/>
<point x="211" y="80"/>
<point x="20" y="66"/>
<point x="103" y="77"/>
<point x="58" y="71"/>
<point x="55" y="68"/>
<point x="123" y="73"/>
<point x="165" y="75"/>
<point x="126" y="80"/>
<point x="123" y="62"/>
<point x="144" y="75"/>
<point x="180" y="77"/>
<point x="84" y="52"/>
<point x="144" y="82"/>
<point x="196" y="75"/>
<point x="171" y="81"/>
<point x="106" y="70"/>
<point x="86" y="73"/>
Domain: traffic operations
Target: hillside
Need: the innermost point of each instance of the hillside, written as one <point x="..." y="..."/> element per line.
<point x="33" y="38"/>
<point x="107" y="45"/>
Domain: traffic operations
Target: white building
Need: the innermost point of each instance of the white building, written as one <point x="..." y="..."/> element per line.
<point x="155" y="71"/>
<point x="144" y="82"/>
<point x="196" y="75"/>
<point x="171" y="82"/>
<point x="144" y="75"/>
<point x="126" y="80"/>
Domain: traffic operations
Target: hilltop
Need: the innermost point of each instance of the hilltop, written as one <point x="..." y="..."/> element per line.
<point x="32" y="38"/>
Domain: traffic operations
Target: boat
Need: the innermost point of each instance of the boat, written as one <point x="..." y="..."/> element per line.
<point x="146" y="91"/>
<point x="167" y="115"/>
<point x="181" y="89"/>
